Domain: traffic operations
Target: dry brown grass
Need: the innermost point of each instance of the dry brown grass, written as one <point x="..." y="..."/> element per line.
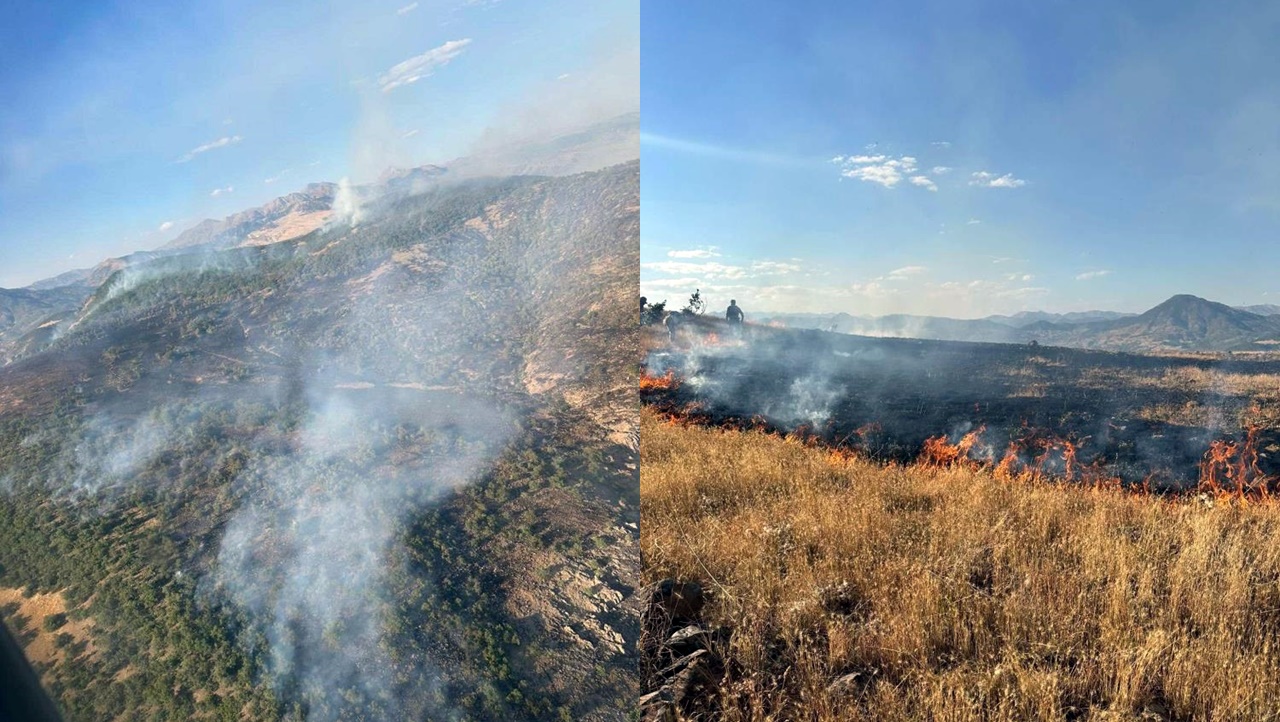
<point x="956" y="596"/>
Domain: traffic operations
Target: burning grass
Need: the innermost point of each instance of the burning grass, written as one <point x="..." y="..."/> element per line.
<point x="666" y="382"/>
<point x="940" y="590"/>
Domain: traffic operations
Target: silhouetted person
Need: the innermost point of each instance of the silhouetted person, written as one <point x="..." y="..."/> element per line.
<point x="734" y="317"/>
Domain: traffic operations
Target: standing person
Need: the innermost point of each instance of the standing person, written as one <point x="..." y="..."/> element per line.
<point x="734" y="317"/>
<point x="672" y="322"/>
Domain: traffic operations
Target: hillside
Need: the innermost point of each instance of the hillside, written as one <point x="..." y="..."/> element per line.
<point x="23" y="310"/>
<point x="382" y="470"/>
<point x="1183" y="322"/>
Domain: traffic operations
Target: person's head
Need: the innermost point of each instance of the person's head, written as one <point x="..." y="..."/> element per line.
<point x="733" y="302"/>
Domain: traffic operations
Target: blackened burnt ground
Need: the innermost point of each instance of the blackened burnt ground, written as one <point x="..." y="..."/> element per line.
<point x="1142" y="417"/>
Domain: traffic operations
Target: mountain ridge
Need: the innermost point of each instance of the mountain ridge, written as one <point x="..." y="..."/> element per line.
<point x="1183" y="322"/>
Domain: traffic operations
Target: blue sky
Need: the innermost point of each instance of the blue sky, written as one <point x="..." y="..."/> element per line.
<point x="125" y="122"/>
<point x="960" y="158"/>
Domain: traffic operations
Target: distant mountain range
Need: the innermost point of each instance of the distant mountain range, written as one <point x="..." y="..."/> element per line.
<point x="1182" y="323"/>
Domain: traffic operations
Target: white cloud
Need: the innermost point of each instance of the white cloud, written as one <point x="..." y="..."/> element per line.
<point x="410" y="134"/>
<point x="694" y="253"/>
<point x="940" y="169"/>
<point x="407" y="9"/>
<point x="941" y="144"/>
<point x="879" y="169"/>
<point x="710" y="270"/>
<point x="1019" y="277"/>
<point x="219" y="143"/>
<point x="563" y="76"/>
<point x="973" y="222"/>
<point x="422" y="66"/>
<point x="276" y="177"/>
<point x="166" y="226"/>
<point x="991" y="180"/>
<point x="220" y="191"/>
<point x="1089" y="275"/>
<point x="925" y="181"/>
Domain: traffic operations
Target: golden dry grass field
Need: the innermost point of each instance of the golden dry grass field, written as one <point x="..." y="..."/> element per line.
<point x="947" y="594"/>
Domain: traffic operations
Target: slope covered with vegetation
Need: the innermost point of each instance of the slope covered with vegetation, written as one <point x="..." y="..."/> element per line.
<point x="379" y="471"/>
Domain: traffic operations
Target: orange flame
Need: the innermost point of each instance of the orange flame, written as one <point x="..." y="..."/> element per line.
<point x="942" y="453"/>
<point x="667" y="382"/>
<point x="1229" y="469"/>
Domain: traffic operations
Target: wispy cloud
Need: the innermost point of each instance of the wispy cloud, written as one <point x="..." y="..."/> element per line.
<point x="166" y="226"/>
<point x="410" y="134"/>
<point x="941" y="144"/>
<point x="709" y="252"/>
<point x="710" y="270"/>
<point x="908" y="271"/>
<point x="773" y="268"/>
<point x="940" y="169"/>
<point x="219" y="143"/>
<point x="969" y="291"/>
<point x="986" y="179"/>
<point x="407" y="9"/>
<point x="221" y="191"/>
<point x="924" y="181"/>
<point x="972" y="222"/>
<point x="714" y="271"/>
<point x="710" y="150"/>
<point x="422" y="66"/>
<point x="1089" y="275"/>
<point x="276" y="177"/>
<point x="563" y="76"/>
<point x="672" y="283"/>
<point x="901" y="274"/>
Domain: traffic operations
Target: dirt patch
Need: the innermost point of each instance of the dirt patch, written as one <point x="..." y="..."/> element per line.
<point x="43" y="649"/>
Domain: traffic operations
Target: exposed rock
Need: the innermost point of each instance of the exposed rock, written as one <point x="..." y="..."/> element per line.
<point x="682" y="657"/>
